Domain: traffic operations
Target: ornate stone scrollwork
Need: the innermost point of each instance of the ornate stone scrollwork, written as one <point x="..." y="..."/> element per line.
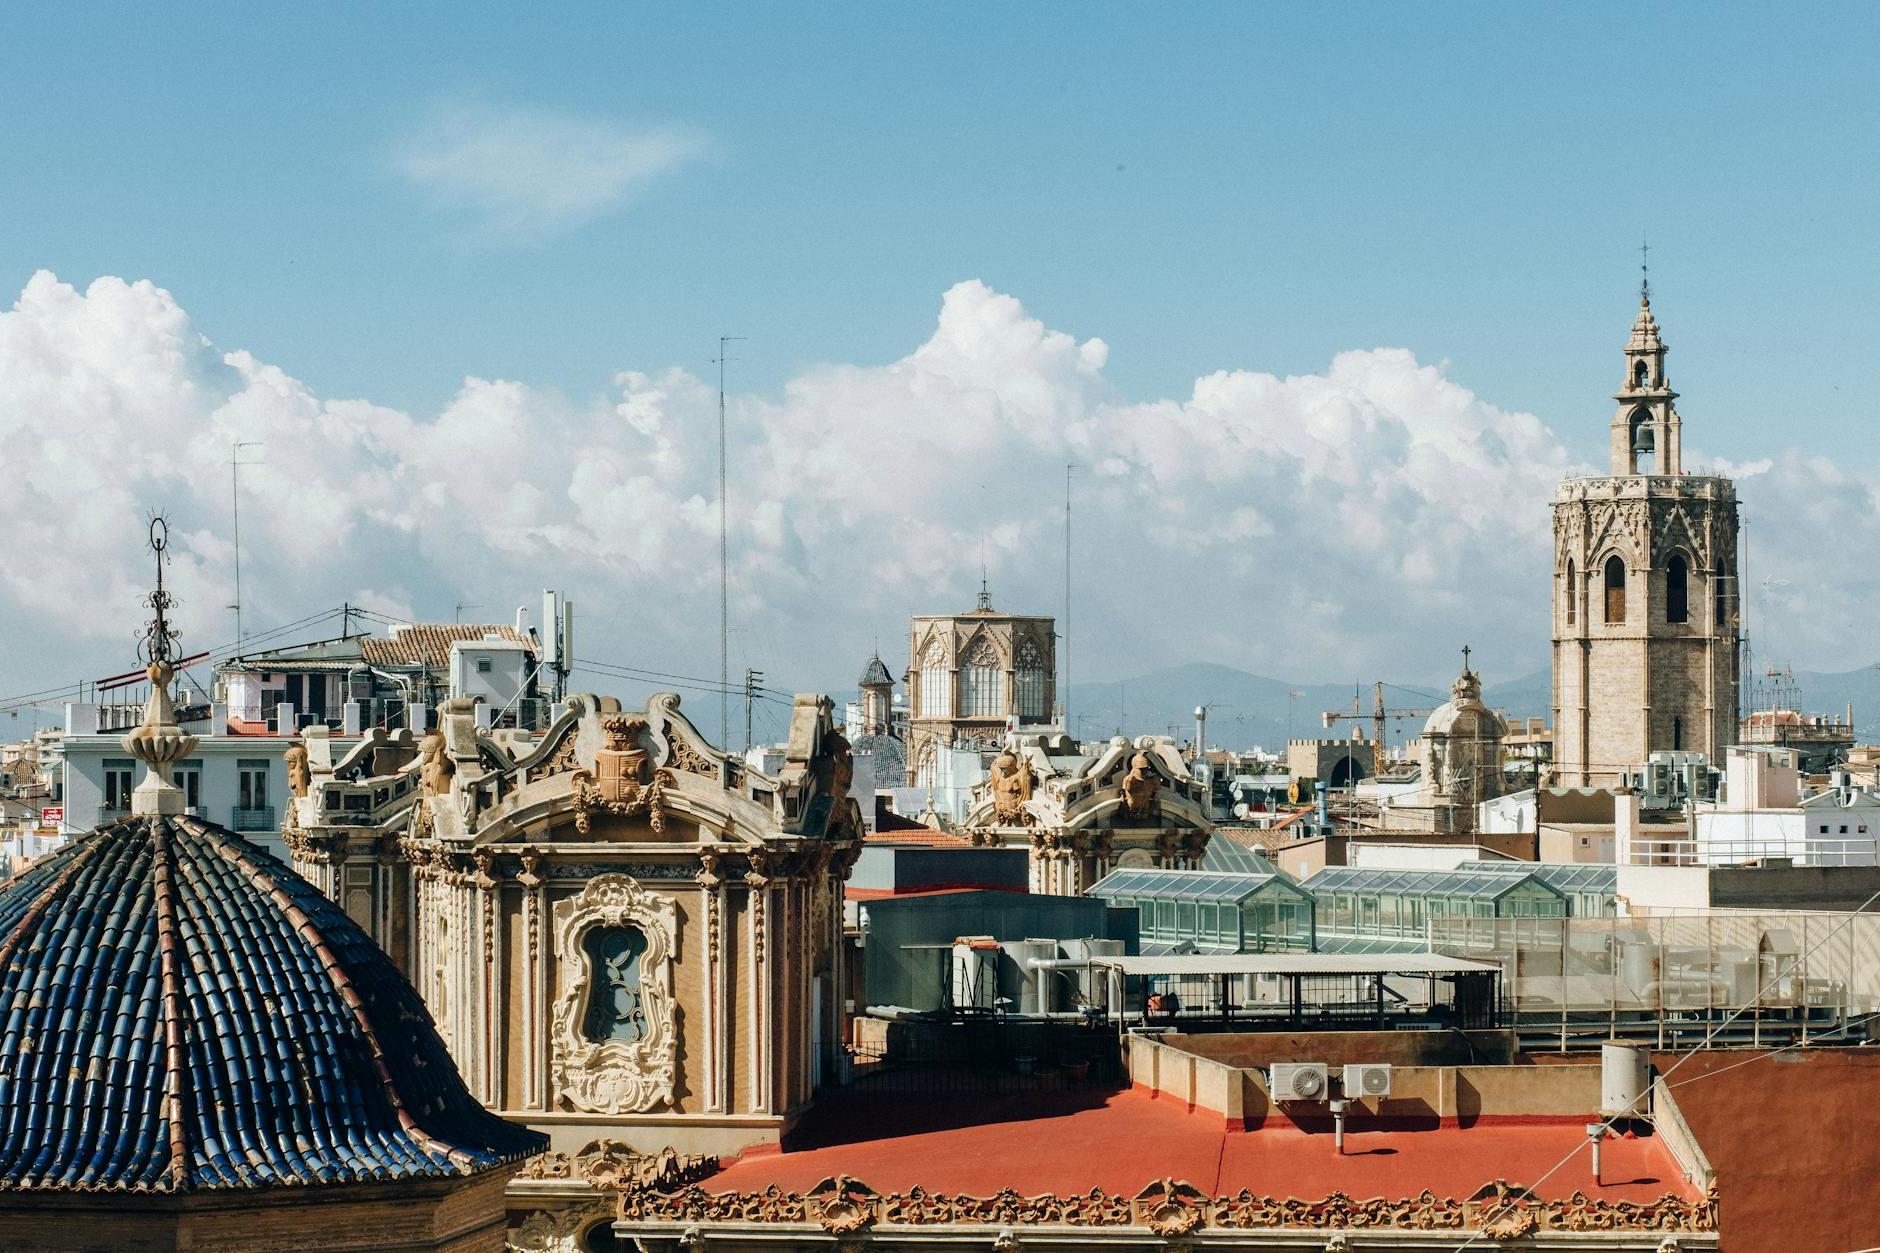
<point x="624" y="782"/>
<point x="1140" y="786"/>
<point x="620" y="1075"/>
<point x="558" y="1230"/>
<point x="616" y="1165"/>
<point x="1012" y="782"/>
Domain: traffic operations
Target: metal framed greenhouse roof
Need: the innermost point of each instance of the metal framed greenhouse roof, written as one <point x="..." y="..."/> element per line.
<point x="1468" y="884"/>
<point x="1187" y="885"/>
<point x="1567" y="876"/>
<point x="1230" y="857"/>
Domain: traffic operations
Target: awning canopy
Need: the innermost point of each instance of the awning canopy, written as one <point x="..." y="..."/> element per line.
<point x="1296" y="964"/>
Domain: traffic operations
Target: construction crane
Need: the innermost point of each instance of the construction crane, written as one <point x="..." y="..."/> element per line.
<point x="1377" y="715"/>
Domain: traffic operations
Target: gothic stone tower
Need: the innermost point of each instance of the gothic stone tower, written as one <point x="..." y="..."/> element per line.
<point x="1645" y="591"/>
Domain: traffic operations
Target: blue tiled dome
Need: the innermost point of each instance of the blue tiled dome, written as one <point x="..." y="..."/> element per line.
<point x="181" y="1011"/>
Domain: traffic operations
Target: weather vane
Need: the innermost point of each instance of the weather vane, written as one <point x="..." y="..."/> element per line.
<point x="158" y="637"/>
<point x="1644" y="270"/>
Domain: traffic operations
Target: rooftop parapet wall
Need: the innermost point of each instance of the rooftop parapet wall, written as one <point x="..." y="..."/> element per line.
<point x="1422" y="1097"/>
<point x="1338" y="1048"/>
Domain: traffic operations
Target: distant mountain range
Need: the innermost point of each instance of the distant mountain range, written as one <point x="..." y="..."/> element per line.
<point x="1252" y="709"/>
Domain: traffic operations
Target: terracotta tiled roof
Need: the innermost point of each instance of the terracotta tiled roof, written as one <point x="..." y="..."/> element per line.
<point x="427" y="644"/>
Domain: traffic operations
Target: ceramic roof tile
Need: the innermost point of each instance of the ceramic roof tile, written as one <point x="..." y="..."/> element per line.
<point x="427" y="644"/>
<point x="180" y="1011"/>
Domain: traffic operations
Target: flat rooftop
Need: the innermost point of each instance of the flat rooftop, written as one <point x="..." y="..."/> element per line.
<point x="1070" y="1142"/>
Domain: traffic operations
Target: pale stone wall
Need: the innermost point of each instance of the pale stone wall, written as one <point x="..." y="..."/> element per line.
<point x="1623" y="690"/>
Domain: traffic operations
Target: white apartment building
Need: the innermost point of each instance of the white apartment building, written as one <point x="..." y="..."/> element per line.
<point x="237" y="780"/>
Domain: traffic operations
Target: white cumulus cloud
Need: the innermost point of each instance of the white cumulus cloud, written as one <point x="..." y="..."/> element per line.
<point x="1363" y="520"/>
<point x="519" y="172"/>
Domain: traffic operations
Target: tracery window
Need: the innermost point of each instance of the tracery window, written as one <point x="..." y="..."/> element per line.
<point x="1030" y="681"/>
<point x="1615" y="589"/>
<point x="614" y="1007"/>
<point x="936" y="685"/>
<point x="982" y="682"/>
<point x="1573" y="597"/>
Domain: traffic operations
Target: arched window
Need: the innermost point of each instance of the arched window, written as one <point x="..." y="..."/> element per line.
<point x="1677" y="590"/>
<point x="1031" y="680"/>
<point x="936" y="685"/>
<point x="1615" y="589"/>
<point x="1573" y="597"/>
<point x="982" y="682"/>
<point x="600" y="1238"/>
<point x="613" y="1009"/>
<point x="1641" y="374"/>
<point x="1644" y="447"/>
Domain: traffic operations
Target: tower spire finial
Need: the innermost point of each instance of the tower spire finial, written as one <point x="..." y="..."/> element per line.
<point x="985" y="593"/>
<point x="158" y="742"/>
<point x="1644" y="272"/>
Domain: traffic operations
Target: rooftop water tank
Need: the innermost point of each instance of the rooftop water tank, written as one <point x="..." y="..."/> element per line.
<point x="1624" y="1080"/>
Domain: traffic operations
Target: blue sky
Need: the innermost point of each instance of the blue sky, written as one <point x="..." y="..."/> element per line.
<point x="480" y="220"/>
<point x="1217" y="185"/>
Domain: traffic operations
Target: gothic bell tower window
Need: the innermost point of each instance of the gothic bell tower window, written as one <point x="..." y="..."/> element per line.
<point x="1573" y="596"/>
<point x="1677" y="590"/>
<point x="1641" y="374"/>
<point x="1615" y="589"/>
<point x="1643" y="445"/>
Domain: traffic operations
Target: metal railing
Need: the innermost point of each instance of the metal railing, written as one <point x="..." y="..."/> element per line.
<point x="1799" y="847"/>
<point x="111" y="813"/>
<point x="259" y="818"/>
<point x="1772" y="977"/>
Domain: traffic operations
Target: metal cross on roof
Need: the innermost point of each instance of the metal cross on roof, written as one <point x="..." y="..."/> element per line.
<point x="1644" y="270"/>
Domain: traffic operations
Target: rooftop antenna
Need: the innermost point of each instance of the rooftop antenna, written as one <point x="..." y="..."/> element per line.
<point x="985" y="592"/>
<point x="235" y="464"/>
<point x="1064" y="631"/>
<point x="724" y="560"/>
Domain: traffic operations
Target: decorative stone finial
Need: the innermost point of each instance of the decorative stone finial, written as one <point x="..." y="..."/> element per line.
<point x="1467" y="689"/>
<point x="158" y="742"/>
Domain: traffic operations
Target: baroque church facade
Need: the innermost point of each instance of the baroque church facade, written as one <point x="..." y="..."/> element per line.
<point x="1130" y="804"/>
<point x="630" y="941"/>
<point x="1646" y="602"/>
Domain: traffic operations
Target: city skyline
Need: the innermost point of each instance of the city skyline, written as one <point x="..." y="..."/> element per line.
<point x="1331" y="404"/>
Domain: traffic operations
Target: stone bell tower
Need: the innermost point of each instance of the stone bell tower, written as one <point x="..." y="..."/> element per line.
<point x="1645" y="591"/>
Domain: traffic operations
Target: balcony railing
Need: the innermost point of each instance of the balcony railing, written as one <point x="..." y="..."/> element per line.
<point x="257" y="819"/>
<point x="111" y="813"/>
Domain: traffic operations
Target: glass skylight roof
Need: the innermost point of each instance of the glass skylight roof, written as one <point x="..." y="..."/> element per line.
<point x="1567" y="876"/>
<point x="1231" y="857"/>
<point x="1473" y="884"/>
<point x="1186" y="885"/>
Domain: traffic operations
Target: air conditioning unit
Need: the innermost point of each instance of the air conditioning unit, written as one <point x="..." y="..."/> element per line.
<point x="1367" y="1080"/>
<point x="1298" y="1081"/>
